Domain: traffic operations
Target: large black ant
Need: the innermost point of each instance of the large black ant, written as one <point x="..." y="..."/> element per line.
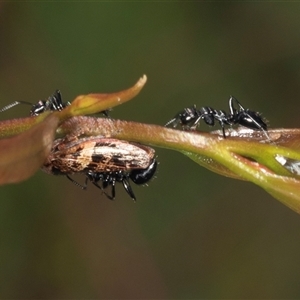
<point x="190" y="118"/>
<point x="138" y="176"/>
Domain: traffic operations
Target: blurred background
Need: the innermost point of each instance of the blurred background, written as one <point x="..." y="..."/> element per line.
<point x="192" y="233"/>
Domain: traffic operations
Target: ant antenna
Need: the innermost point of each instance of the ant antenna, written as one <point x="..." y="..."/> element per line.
<point x="9" y="106"/>
<point x="83" y="187"/>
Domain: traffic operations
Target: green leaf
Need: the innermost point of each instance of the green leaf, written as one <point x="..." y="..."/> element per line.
<point x="272" y="163"/>
<point x="245" y="154"/>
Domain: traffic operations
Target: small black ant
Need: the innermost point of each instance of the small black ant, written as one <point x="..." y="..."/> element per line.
<point x="138" y="176"/>
<point x="190" y="118"/>
<point x="53" y="103"/>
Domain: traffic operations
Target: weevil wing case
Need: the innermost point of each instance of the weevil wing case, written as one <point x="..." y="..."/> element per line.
<point x="98" y="155"/>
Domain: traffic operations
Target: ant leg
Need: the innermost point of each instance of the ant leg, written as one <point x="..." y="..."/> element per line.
<point x="57" y="96"/>
<point x="231" y="105"/>
<point x="223" y="130"/>
<point x="128" y="189"/>
<point x="196" y="122"/>
<point x="103" y="191"/>
<point x="98" y="186"/>
<point x="113" y="190"/>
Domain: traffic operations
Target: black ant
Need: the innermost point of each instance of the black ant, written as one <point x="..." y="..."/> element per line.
<point x="53" y="103"/>
<point x="190" y="118"/>
<point x="138" y="176"/>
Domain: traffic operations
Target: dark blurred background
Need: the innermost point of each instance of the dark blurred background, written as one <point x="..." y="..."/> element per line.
<point x="192" y="233"/>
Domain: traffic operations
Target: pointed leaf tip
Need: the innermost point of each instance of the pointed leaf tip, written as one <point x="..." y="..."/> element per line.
<point x="95" y="103"/>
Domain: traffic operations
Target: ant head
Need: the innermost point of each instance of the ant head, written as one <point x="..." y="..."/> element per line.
<point x="185" y="117"/>
<point x="37" y="108"/>
<point x="188" y="115"/>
